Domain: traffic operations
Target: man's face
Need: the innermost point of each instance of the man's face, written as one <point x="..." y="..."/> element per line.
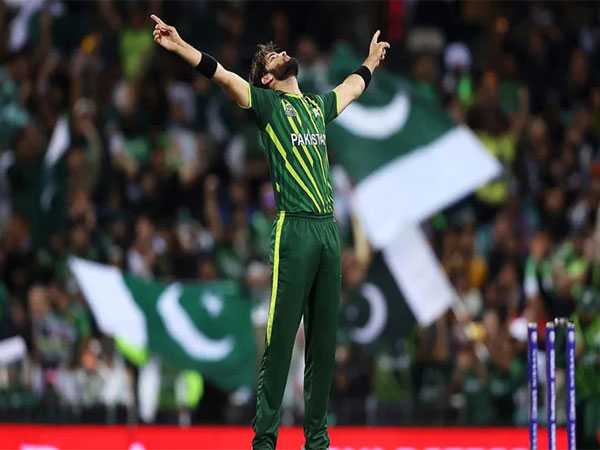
<point x="281" y="65"/>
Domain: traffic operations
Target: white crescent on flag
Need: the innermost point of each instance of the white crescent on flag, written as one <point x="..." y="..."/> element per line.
<point x="378" y="314"/>
<point x="376" y="122"/>
<point x="183" y="330"/>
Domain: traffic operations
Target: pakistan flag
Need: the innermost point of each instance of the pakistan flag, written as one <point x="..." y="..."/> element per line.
<point x="404" y="154"/>
<point x="194" y="326"/>
<point x="405" y="286"/>
<point x="406" y="160"/>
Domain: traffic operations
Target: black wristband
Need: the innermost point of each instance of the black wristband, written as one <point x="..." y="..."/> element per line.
<point x="207" y="65"/>
<point x="365" y="74"/>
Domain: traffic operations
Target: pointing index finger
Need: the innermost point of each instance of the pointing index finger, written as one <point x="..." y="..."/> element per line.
<point x="157" y="20"/>
<point x="375" y="37"/>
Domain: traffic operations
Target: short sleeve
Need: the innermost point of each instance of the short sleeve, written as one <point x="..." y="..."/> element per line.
<point x="330" y="105"/>
<point x="261" y="103"/>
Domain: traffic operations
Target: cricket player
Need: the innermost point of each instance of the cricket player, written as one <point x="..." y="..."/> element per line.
<point x="306" y="277"/>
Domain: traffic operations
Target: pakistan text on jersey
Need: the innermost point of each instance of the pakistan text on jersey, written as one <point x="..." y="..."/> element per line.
<point x="308" y="138"/>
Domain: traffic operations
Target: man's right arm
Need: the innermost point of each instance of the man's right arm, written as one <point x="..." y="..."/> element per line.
<point x="235" y="86"/>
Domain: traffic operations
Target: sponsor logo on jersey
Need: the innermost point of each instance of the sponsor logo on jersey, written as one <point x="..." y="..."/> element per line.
<point x="308" y="138"/>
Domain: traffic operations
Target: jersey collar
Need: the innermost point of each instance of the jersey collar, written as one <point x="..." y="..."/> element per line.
<point x="281" y="94"/>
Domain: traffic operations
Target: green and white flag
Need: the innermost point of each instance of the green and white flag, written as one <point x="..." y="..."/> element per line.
<point x="57" y="148"/>
<point x="197" y="326"/>
<point x="376" y="314"/>
<point x="407" y="160"/>
<point x="405" y="156"/>
<point x="405" y="286"/>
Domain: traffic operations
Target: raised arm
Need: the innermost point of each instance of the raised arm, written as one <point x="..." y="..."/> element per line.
<point x="354" y="85"/>
<point x="235" y="86"/>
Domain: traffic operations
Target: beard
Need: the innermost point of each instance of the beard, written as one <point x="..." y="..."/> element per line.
<point x="286" y="70"/>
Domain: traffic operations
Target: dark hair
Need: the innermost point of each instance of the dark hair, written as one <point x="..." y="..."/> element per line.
<point x="259" y="62"/>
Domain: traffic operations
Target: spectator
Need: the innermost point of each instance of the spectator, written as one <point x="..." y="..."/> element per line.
<point x="161" y="177"/>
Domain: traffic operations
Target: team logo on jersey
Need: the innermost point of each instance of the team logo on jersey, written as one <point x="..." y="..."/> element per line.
<point x="289" y="110"/>
<point x="316" y="112"/>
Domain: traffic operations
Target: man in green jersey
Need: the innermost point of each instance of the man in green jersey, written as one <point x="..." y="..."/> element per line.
<point x="306" y="246"/>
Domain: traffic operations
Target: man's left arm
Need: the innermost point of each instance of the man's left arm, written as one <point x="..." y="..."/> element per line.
<point x="356" y="83"/>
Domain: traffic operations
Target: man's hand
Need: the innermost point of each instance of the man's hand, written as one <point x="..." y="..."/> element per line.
<point x="376" y="52"/>
<point x="166" y="35"/>
<point x="353" y="86"/>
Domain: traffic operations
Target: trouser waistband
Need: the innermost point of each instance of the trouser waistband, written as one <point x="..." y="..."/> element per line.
<point x="303" y="215"/>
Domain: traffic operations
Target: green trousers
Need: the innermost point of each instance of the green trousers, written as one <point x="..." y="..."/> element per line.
<point x="306" y="282"/>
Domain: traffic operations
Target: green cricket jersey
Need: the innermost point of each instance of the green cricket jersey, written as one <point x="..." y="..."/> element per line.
<point x="292" y="134"/>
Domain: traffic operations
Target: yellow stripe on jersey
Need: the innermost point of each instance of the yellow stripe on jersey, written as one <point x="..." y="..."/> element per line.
<point x="307" y="153"/>
<point x="316" y="151"/>
<point x="249" y="98"/>
<point x="337" y="103"/>
<point x="308" y="174"/>
<point x="307" y="108"/>
<point x="288" y="166"/>
<point x="275" y="284"/>
<point x="316" y="128"/>
<point x="295" y="128"/>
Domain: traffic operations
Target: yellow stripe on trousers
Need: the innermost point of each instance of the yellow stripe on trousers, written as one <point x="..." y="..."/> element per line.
<point x="274" y="286"/>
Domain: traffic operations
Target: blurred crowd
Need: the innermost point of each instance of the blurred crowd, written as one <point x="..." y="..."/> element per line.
<point x="114" y="150"/>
